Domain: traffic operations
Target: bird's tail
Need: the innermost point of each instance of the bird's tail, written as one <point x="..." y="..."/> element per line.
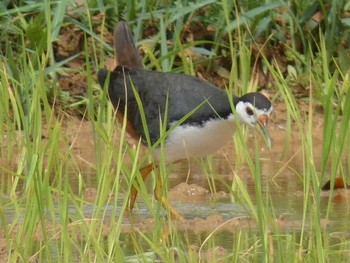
<point x="126" y="53"/>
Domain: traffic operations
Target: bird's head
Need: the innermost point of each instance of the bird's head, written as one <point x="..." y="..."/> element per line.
<point x="254" y="110"/>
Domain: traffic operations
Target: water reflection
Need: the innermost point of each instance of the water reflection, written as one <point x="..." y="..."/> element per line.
<point x="281" y="181"/>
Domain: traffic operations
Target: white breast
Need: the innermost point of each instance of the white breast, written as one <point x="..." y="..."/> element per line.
<point x="187" y="141"/>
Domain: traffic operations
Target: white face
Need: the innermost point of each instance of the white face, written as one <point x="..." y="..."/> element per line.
<point x="249" y="114"/>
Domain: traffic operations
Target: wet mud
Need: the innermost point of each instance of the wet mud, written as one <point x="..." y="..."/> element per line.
<point x="206" y="205"/>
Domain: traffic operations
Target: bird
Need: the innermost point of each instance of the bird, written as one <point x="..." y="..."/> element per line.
<point x="198" y="118"/>
<point x="338" y="183"/>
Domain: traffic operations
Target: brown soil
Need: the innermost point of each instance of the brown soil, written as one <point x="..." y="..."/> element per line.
<point x="78" y="140"/>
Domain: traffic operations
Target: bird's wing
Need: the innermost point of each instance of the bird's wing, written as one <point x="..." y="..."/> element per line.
<point x="176" y="94"/>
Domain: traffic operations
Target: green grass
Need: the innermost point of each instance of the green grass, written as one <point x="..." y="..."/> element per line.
<point x="45" y="215"/>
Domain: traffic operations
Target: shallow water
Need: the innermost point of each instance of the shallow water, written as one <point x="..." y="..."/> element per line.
<point x="205" y="210"/>
<point x="281" y="180"/>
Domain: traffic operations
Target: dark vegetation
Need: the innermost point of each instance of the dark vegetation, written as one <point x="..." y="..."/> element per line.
<point x="69" y="41"/>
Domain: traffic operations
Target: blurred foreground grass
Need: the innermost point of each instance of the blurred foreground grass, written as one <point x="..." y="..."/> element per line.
<point x="50" y="52"/>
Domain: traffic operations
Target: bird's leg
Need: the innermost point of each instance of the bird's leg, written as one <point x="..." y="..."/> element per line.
<point x="145" y="171"/>
<point x="158" y="193"/>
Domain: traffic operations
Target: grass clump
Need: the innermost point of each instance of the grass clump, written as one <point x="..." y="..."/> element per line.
<point x="51" y="210"/>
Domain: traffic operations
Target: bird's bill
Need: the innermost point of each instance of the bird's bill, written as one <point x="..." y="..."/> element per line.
<point x="263" y="121"/>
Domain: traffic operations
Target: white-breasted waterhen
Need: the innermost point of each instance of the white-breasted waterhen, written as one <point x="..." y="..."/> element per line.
<point x="207" y="129"/>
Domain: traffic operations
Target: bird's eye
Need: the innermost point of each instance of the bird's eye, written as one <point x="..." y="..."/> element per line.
<point x="249" y="111"/>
